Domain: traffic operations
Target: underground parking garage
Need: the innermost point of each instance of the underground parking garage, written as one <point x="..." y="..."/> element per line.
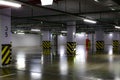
<point x="59" y="40"/>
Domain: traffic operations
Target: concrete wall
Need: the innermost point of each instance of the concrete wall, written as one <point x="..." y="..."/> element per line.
<point x="35" y="40"/>
<point x="62" y="40"/>
<point x="80" y="38"/>
<point x="25" y="40"/>
<point x="108" y="42"/>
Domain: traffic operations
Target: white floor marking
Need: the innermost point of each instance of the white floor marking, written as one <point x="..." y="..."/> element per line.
<point x="7" y="75"/>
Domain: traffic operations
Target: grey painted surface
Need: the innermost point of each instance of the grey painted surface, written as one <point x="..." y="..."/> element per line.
<point x="35" y="40"/>
<point x="5" y="29"/>
<point x="99" y="35"/>
<point x="71" y="28"/>
<point x="25" y="40"/>
<point x="46" y="36"/>
<point x="116" y="36"/>
<point x="5" y="26"/>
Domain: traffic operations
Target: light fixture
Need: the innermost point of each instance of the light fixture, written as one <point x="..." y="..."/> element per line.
<point x="112" y="9"/>
<point x="15" y="32"/>
<point x="36" y="30"/>
<point x="96" y="0"/>
<point x="46" y="2"/>
<point x="63" y="31"/>
<point x="110" y="34"/>
<point x="90" y="21"/>
<point x="117" y="27"/>
<point x="82" y="34"/>
<point x="20" y="33"/>
<point x="10" y="3"/>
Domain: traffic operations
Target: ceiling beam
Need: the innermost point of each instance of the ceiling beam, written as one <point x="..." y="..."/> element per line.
<point x="83" y="13"/>
<point x="117" y="1"/>
<point x="55" y="10"/>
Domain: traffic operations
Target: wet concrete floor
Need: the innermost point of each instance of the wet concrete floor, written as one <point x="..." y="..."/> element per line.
<point x="29" y="64"/>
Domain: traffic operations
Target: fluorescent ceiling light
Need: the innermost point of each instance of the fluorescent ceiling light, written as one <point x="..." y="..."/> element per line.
<point x="112" y="9"/>
<point x="90" y="21"/>
<point x="15" y="32"/>
<point x="80" y="34"/>
<point x="117" y="27"/>
<point x="63" y="31"/>
<point x="20" y="33"/>
<point x="46" y="2"/>
<point x="10" y="3"/>
<point x="36" y="30"/>
<point x="96" y="0"/>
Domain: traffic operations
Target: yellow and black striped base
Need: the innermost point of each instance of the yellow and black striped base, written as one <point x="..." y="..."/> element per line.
<point x="46" y="47"/>
<point x="46" y="51"/>
<point x="115" y="46"/>
<point x="99" y="46"/>
<point x="71" y="48"/>
<point x="6" y="54"/>
<point x="46" y="44"/>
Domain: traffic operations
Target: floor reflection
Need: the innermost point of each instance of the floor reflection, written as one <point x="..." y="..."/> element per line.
<point x="114" y="66"/>
<point x="20" y="60"/>
<point x="35" y="76"/>
<point x="63" y="65"/>
<point x="110" y="50"/>
<point x="83" y="66"/>
<point x="61" y="50"/>
<point x="81" y="53"/>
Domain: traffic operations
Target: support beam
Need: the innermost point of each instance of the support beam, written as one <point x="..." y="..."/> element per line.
<point x="62" y="14"/>
<point x="117" y="1"/>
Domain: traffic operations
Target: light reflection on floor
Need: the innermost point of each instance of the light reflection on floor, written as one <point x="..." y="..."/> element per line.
<point x="63" y="65"/>
<point x="21" y="61"/>
<point x="110" y="51"/>
<point x="34" y="66"/>
<point x="114" y="67"/>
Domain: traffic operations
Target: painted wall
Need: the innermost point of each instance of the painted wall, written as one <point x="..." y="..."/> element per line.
<point x="25" y="40"/>
<point x="62" y="40"/>
<point x="35" y="40"/>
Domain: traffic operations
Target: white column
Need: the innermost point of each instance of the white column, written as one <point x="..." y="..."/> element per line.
<point x="71" y="44"/>
<point x="46" y="42"/>
<point x="115" y="42"/>
<point x="99" y="35"/>
<point x="99" y="40"/>
<point x="46" y="36"/>
<point x="115" y="35"/>
<point x="5" y="36"/>
<point x="71" y="31"/>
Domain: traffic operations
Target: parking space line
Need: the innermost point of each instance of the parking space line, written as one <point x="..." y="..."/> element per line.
<point x="8" y="75"/>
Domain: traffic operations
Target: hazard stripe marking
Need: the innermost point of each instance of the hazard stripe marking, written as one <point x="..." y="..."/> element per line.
<point x="71" y="48"/>
<point x="3" y="51"/>
<point x="99" y="45"/>
<point x="6" y="54"/>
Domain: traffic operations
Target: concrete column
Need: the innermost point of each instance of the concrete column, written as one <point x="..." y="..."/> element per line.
<point x="99" y="40"/>
<point x="46" y="42"/>
<point x="5" y="37"/>
<point x="115" y="42"/>
<point x="71" y="44"/>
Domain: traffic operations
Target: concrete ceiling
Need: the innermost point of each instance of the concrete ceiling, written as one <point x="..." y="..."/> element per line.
<point x="106" y="12"/>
